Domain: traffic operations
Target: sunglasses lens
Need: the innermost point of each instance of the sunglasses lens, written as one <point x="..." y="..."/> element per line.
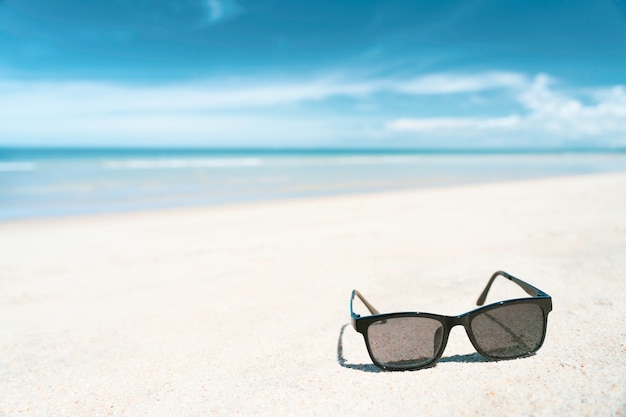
<point x="509" y="331"/>
<point x="405" y="342"/>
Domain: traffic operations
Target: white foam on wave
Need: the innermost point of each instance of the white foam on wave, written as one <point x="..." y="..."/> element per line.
<point x="17" y="166"/>
<point x="182" y="163"/>
<point x="350" y="160"/>
<point x="242" y="162"/>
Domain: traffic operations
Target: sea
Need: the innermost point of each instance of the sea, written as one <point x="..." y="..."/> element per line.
<point x="52" y="182"/>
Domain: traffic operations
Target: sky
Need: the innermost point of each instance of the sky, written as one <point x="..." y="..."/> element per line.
<point x="277" y="73"/>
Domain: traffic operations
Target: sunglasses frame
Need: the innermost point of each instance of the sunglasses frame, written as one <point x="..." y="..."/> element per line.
<point x="538" y="297"/>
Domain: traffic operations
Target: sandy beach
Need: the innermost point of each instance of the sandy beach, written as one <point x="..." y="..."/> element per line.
<point x="243" y="309"/>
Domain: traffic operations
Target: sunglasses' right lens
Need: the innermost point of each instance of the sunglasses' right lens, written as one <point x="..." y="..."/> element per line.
<point x="509" y="331"/>
<point x="405" y="342"/>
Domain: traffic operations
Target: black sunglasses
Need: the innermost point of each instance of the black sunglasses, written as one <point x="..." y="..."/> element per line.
<point x="504" y="330"/>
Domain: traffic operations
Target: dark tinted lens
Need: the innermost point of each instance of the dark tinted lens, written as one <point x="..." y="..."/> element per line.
<point x="405" y="341"/>
<point x="509" y="331"/>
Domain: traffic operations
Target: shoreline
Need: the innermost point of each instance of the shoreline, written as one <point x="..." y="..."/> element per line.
<point x="242" y="309"/>
<point x="270" y="200"/>
<point x="99" y="183"/>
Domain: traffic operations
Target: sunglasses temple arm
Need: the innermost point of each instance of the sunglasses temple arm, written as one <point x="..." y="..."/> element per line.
<point x="370" y="307"/>
<point x="530" y="290"/>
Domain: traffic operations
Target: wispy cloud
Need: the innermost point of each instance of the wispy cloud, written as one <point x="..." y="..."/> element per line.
<point x="269" y="111"/>
<point x="453" y="124"/>
<point x="219" y="10"/>
<point x="78" y="97"/>
<point x="560" y="114"/>
<point x="462" y="83"/>
<point x="547" y="113"/>
<point x="216" y="10"/>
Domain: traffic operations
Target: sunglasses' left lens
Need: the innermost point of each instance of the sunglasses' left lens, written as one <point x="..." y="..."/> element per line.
<point x="405" y="342"/>
<point x="509" y="331"/>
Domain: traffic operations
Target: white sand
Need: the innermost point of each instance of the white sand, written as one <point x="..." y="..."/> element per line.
<point x="240" y="310"/>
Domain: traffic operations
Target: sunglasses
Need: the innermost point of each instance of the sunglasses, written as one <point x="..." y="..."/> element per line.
<point x="504" y="330"/>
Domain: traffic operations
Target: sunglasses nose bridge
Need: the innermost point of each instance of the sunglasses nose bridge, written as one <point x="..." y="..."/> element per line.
<point x="461" y="320"/>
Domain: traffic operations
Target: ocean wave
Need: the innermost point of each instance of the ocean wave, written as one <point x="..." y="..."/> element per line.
<point x="182" y="163"/>
<point x="348" y="160"/>
<point x="17" y="166"/>
<point x="267" y="161"/>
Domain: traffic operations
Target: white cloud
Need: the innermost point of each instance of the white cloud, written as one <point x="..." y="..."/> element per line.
<point x="548" y="113"/>
<point x="452" y="124"/>
<point x="216" y="11"/>
<point x="460" y="83"/>
<point x="75" y="98"/>
<point x="562" y="115"/>
<point x="77" y="112"/>
<point x="219" y="10"/>
<point x="194" y="112"/>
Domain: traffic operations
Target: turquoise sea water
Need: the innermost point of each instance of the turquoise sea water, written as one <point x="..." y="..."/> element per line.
<point x="60" y="182"/>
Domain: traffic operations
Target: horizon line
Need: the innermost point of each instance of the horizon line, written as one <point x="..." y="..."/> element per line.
<point x="52" y="149"/>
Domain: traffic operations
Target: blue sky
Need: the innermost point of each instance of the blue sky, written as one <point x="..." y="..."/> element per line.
<point x="230" y="73"/>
